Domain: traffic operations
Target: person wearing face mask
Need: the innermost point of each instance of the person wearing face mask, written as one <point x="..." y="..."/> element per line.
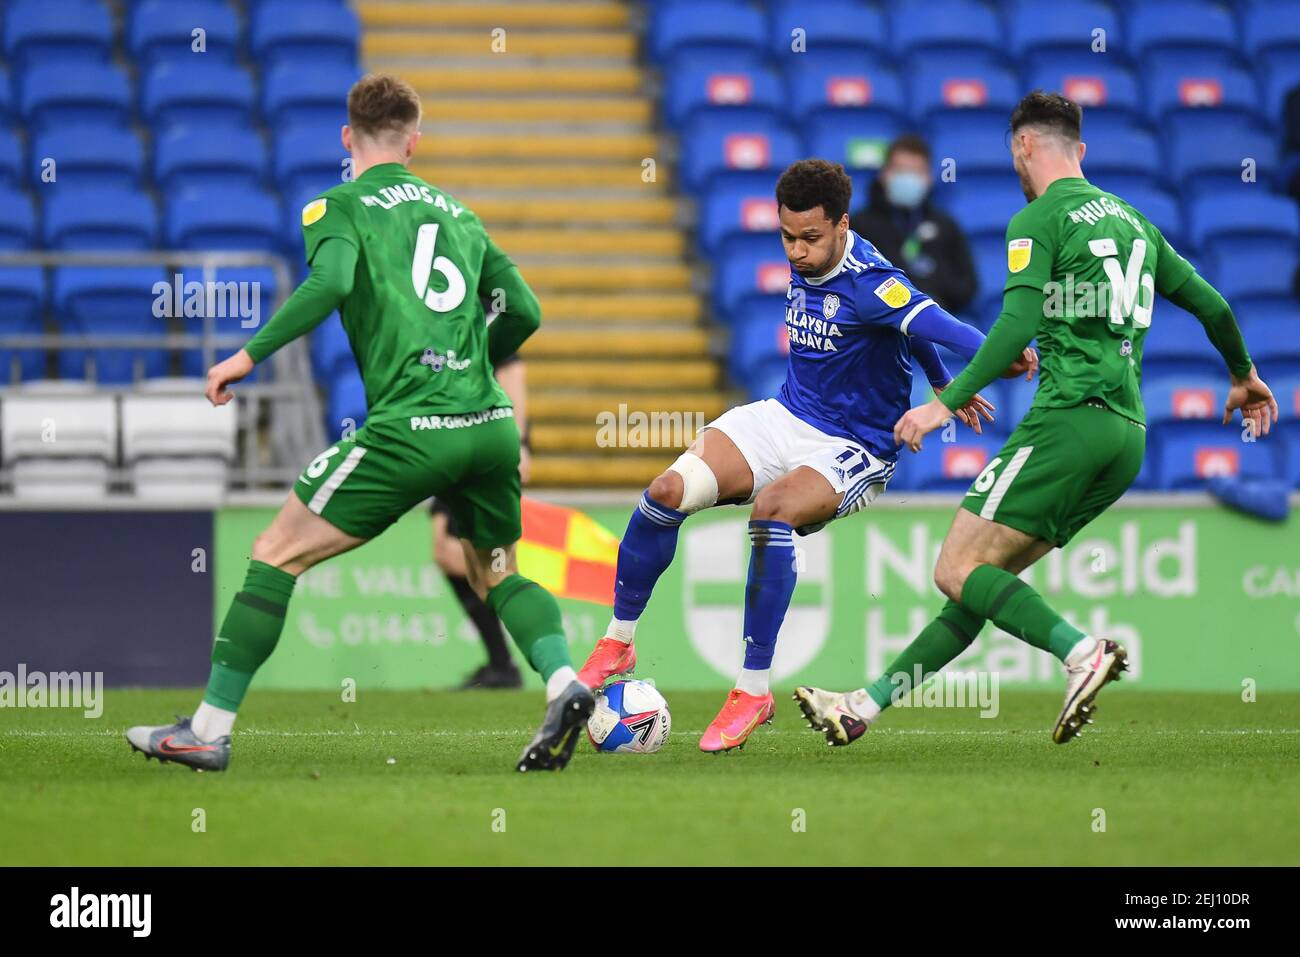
<point x="911" y="232"/>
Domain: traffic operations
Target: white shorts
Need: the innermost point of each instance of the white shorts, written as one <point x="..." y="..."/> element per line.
<point x="775" y="442"/>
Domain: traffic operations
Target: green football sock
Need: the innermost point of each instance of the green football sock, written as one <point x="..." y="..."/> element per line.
<point x="1014" y="607"/>
<point x="938" y="643"/>
<point x="532" y="616"/>
<point x="249" y="634"/>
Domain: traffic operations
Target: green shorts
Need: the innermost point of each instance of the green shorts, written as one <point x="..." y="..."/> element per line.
<point x="470" y="462"/>
<point x="1059" y="470"/>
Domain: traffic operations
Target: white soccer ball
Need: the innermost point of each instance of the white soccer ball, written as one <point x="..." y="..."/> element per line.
<point x="631" y="717"/>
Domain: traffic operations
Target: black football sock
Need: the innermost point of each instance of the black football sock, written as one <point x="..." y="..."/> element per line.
<point x="487" y="623"/>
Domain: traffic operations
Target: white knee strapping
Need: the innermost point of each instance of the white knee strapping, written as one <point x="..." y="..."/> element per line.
<point x="699" y="484"/>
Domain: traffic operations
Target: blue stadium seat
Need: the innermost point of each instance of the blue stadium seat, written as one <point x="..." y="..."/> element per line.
<point x="744" y="95"/>
<point x="215" y="158"/>
<point x="758" y="342"/>
<point x="981" y="211"/>
<point x="308" y="158"/>
<point x="160" y="30"/>
<point x="974" y="145"/>
<point x="1195" y="86"/>
<point x="1275" y="345"/>
<point x="44" y="31"/>
<point x="224" y="219"/>
<point x="99" y="219"/>
<point x="956" y="84"/>
<point x="1124" y="155"/>
<point x="705" y="29"/>
<point x="1016" y="397"/>
<point x="74" y="93"/>
<point x="855" y="138"/>
<point x="1270" y="33"/>
<point x="12" y="156"/>
<point x="292" y="96"/>
<point x="8" y="108"/>
<point x="1191" y="454"/>
<point x="844" y="29"/>
<point x="1205" y="150"/>
<point x="1065" y="29"/>
<point x="1250" y="214"/>
<point x="825" y="85"/>
<point x="1184" y="399"/>
<point x="749" y="265"/>
<point x="1157" y="205"/>
<point x="211" y="93"/>
<point x="1096" y="82"/>
<point x="1161" y="32"/>
<point x="110" y="157"/>
<point x="304" y="32"/>
<point x="107" y="302"/>
<point x="1287" y="392"/>
<point x="757" y="151"/>
<point x="254" y="287"/>
<point x="18" y="224"/>
<point x="946" y="27"/>
<point x="347" y="400"/>
<point x="1279" y="78"/>
<point x="735" y="212"/>
<point x="1252" y="269"/>
<point x="948" y="466"/>
<point x="22" y="305"/>
<point x="990" y="254"/>
<point x="1176" y="346"/>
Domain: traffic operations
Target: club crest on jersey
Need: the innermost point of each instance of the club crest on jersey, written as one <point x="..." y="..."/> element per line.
<point x="830" y="305"/>
<point x="313" y="212"/>
<point x="1018" y="251"/>
<point x="893" y="293"/>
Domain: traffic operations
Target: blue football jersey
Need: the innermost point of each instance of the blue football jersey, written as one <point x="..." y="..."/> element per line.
<point x="850" y="370"/>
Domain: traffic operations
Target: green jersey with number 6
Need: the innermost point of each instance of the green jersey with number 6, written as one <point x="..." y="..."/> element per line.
<point x="414" y="317"/>
<point x="1099" y="263"/>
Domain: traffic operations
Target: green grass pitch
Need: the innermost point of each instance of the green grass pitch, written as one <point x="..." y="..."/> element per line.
<point x="1181" y="778"/>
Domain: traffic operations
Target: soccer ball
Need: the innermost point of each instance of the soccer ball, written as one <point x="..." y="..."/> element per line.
<point x="631" y="717"/>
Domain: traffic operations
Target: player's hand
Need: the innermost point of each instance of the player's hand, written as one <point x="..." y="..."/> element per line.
<point x="226" y="372"/>
<point x="1025" y="366"/>
<point x="917" y="423"/>
<point x="1256" y="402"/>
<point x="969" y="414"/>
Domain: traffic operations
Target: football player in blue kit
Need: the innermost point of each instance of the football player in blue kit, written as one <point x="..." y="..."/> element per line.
<point x="821" y="449"/>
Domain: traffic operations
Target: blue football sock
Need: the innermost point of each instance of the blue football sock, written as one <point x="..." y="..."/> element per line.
<point x="768" y="591"/>
<point x="646" y="550"/>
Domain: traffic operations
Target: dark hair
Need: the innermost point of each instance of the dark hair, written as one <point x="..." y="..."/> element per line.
<point x="1051" y="112"/>
<point x="380" y="103"/>
<point x="809" y="183"/>
<point x="908" y="143"/>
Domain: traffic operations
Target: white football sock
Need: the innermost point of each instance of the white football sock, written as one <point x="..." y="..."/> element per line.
<point x="754" y="682"/>
<point x="621" y="631"/>
<point x="210" y="723"/>
<point x="557" y="682"/>
<point x="1081" y="650"/>
<point x="862" y="704"/>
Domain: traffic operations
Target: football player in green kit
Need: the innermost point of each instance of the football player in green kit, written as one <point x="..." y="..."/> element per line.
<point x="405" y="265"/>
<point x="1080" y="445"/>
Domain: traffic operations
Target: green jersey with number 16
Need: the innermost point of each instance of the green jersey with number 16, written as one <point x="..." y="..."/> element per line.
<point x="414" y="317"/>
<point x="1099" y="263"/>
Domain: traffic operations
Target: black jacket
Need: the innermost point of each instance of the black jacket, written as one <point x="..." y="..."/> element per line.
<point x="940" y="263"/>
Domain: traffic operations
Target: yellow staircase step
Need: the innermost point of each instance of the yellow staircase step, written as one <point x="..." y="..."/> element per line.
<point x="488" y="80"/>
<point x="605" y="276"/>
<point x="585" y="406"/>
<point x="548" y="439"/>
<point x="590" y="242"/>
<point x="566" y="343"/>
<point x="517" y="41"/>
<point x="455" y="176"/>
<point x="498" y="146"/>
<point x="496" y="210"/>
<point x="586" y="16"/>
<point x="616" y="469"/>
<point x="680" y="373"/>
<point x="518" y="111"/>
<point x="671" y="309"/>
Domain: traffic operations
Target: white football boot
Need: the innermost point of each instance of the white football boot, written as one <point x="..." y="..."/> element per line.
<point x="842" y="718"/>
<point x="1087" y="671"/>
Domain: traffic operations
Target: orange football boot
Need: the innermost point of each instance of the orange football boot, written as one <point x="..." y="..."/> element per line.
<point x="739" y="716"/>
<point x="607" y="659"/>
